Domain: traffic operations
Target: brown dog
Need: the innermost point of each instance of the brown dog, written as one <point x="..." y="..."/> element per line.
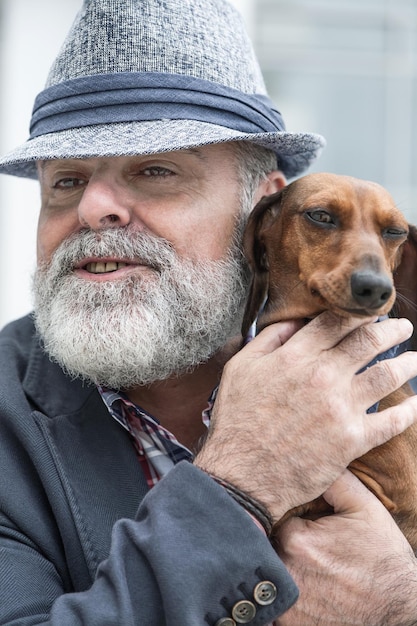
<point x="335" y="242"/>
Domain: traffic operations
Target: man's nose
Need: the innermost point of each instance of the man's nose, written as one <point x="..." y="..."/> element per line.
<point x="104" y="204"/>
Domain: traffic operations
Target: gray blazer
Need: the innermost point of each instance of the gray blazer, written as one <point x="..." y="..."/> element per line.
<point x="82" y="542"/>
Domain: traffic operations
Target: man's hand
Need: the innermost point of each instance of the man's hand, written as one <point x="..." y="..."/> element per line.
<point x="354" y="568"/>
<point x="290" y="414"/>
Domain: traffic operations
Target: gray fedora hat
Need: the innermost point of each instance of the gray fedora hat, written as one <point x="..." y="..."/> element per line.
<point x="148" y="76"/>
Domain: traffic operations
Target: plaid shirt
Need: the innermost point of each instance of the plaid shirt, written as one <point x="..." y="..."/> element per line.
<point x="157" y="448"/>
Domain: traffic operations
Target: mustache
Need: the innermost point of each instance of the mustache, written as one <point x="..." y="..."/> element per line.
<point x="124" y="243"/>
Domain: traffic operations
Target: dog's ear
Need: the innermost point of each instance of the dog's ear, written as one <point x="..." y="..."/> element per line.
<point x="405" y="281"/>
<point x="261" y="217"/>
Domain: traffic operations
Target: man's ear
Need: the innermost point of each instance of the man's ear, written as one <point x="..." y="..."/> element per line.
<point x="405" y="281"/>
<point x="274" y="181"/>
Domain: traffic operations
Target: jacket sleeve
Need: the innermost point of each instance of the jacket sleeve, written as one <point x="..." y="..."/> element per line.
<point x="191" y="556"/>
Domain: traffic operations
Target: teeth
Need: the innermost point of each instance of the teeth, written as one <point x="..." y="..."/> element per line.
<point x="109" y="267"/>
<point x="101" y="268"/>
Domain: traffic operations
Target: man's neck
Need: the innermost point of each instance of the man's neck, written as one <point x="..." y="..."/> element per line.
<point x="178" y="402"/>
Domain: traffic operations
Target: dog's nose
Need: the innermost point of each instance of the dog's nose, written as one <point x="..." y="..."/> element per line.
<point x="370" y="289"/>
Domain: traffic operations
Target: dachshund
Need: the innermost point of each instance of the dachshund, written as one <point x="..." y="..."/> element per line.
<point x="331" y="242"/>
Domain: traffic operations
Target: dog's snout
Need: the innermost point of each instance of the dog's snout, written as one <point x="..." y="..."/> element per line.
<point x="370" y="289"/>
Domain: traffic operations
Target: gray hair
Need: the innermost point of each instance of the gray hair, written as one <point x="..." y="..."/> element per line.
<point x="254" y="163"/>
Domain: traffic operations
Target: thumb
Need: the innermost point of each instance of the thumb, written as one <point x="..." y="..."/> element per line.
<point x="347" y="495"/>
<point x="272" y="337"/>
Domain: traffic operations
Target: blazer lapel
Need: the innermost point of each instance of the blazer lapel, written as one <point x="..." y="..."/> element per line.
<point x="98" y="469"/>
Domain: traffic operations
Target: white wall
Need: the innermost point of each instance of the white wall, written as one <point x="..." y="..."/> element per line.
<point x="31" y="33"/>
<point x="348" y="69"/>
<point x="247" y="9"/>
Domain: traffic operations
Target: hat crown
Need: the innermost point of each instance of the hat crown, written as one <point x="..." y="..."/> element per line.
<point x="204" y="39"/>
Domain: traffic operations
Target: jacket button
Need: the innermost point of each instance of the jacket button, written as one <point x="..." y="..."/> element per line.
<point x="225" y="621"/>
<point x="265" y="593"/>
<point x="243" y="612"/>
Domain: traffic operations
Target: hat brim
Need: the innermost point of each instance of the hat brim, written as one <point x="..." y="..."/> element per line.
<point x="295" y="151"/>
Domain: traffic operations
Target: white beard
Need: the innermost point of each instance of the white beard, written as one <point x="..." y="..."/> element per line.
<point x="142" y="328"/>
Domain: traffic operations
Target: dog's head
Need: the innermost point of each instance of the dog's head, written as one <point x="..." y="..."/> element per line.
<point x="326" y="242"/>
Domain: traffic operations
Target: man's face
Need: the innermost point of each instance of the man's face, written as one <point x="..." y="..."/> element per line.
<point x="139" y="277"/>
<point x="190" y="198"/>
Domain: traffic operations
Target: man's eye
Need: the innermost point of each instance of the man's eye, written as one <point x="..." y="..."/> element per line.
<point x="156" y="170"/>
<point x="68" y="183"/>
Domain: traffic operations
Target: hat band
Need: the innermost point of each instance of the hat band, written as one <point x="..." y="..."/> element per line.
<point x="149" y="96"/>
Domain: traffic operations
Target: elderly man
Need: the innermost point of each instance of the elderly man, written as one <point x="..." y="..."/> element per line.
<point x="152" y="141"/>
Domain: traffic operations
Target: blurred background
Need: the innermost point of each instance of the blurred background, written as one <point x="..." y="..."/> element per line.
<point x="344" y="68"/>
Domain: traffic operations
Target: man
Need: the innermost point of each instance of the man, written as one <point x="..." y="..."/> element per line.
<point x="152" y="141"/>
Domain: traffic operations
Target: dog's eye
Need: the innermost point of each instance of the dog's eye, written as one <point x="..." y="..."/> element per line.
<point x="320" y="217"/>
<point x="394" y="233"/>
